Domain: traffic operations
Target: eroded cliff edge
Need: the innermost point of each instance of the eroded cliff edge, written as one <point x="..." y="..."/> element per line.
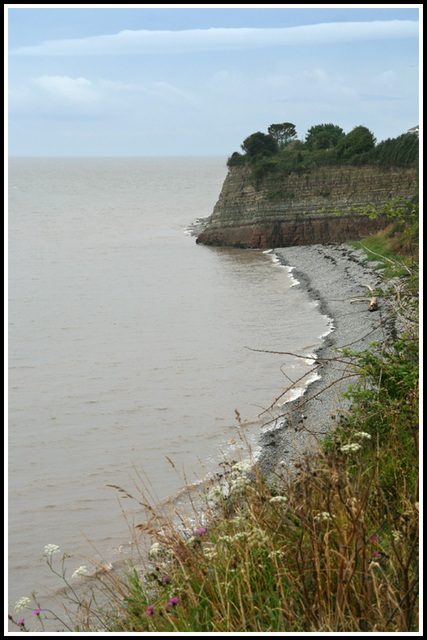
<point x="295" y="209"/>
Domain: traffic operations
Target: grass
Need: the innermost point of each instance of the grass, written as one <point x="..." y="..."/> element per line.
<point x="395" y="250"/>
<point x="333" y="547"/>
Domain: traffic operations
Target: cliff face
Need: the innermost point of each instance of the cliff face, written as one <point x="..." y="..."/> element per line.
<point x="287" y="211"/>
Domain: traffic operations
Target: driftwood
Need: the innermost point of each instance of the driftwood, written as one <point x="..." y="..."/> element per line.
<point x="373" y="301"/>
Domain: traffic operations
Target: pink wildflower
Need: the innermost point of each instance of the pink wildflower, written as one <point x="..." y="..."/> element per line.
<point x="150" y="611"/>
<point x="373" y="539"/>
<point x="21" y="622"/>
<point x="200" y="530"/>
<point x="173" y="602"/>
<point x="36" y="612"/>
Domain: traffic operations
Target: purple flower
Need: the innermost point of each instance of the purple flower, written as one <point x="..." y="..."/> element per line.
<point x="36" y="612"/>
<point x="377" y="554"/>
<point x="150" y="611"/>
<point x="173" y="602"/>
<point x="21" y="622"/>
<point x="165" y="579"/>
<point x="373" y="539"/>
<point x="199" y="530"/>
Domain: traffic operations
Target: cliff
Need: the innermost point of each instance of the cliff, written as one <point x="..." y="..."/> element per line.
<point x="286" y="210"/>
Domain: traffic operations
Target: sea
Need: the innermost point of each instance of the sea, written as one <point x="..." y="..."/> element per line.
<point x="132" y="351"/>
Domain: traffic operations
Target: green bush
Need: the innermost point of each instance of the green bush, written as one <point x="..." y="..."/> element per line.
<point x="236" y="159"/>
<point x="401" y="152"/>
<point x="259" y="145"/>
<point x="325" y="145"/>
<point x="323" y="136"/>
<point x="359" y="140"/>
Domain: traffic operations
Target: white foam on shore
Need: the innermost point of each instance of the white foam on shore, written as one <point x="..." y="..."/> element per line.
<point x="330" y="329"/>
<point x="294" y="280"/>
<point x="315" y="303"/>
<point x="296" y="392"/>
<point x="273" y="257"/>
<point x="196" y="227"/>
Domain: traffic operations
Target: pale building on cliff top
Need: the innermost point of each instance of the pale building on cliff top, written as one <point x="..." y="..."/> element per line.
<point x="415" y="129"/>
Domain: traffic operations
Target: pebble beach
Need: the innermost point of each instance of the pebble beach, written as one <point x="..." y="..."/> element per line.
<point x="333" y="275"/>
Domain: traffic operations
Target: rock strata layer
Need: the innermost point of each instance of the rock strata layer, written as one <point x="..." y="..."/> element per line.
<point x="297" y="209"/>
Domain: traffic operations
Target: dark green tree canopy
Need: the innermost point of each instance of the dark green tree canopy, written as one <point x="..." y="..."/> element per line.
<point x="282" y="133"/>
<point x="259" y="144"/>
<point x="323" y="136"/>
<point x="402" y="151"/>
<point x="236" y="159"/>
<point x="279" y="152"/>
<point x="359" y="140"/>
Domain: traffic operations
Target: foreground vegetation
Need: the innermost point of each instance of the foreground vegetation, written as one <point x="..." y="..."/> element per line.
<point x="330" y="548"/>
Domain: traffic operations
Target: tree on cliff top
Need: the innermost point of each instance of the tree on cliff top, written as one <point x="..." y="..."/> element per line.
<point x="359" y="140"/>
<point x="258" y="145"/>
<point x="323" y="136"/>
<point x="282" y="133"/>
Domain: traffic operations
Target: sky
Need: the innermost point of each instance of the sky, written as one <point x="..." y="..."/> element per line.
<point x="196" y="80"/>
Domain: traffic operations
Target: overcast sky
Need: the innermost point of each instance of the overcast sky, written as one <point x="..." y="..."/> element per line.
<point x="156" y="80"/>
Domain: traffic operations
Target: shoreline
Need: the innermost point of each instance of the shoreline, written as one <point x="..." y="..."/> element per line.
<point x="331" y="275"/>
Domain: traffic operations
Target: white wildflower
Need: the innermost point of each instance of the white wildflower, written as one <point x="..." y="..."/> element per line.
<point x="241" y="467"/>
<point x="278" y="499"/>
<point x="22" y="603"/>
<point x="397" y="535"/>
<point x="258" y="535"/>
<point x="350" y="448"/>
<point x="226" y="538"/>
<point x="80" y="571"/>
<point x="242" y="481"/>
<point x="51" y="549"/>
<point x="215" y="494"/>
<point x="325" y="516"/>
<point x="155" y="550"/>
<point x="239" y="484"/>
<point x="240" y="535"/>
<point x="363" y="435"/>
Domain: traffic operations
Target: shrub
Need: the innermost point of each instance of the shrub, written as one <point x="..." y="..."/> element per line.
<point x="236" y="159"/>
<point x="323" y="136"/>
<point x="358" y="141"/>
<point x="258" y="145"/>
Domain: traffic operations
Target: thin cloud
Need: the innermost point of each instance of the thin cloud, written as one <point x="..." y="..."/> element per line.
<point x="165" y="90"/>
<point x="66" y="95"/>
<point x="143" y="41"/>
<point x="74" y="89"/>
<point x="379" y="97"/>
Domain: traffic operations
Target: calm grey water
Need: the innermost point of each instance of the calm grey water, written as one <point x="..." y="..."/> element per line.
<point x="127" y="344"/>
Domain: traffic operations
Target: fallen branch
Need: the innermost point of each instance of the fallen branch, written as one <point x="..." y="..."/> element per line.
<point x="373" y="301"/>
